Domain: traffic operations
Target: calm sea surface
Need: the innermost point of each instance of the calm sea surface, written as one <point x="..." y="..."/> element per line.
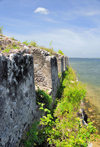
<point x="88" y="71"/>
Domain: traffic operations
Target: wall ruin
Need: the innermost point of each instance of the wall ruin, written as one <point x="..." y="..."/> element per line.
<point x="17" y="97"/>
<point x="19" y="74"/>
<point x="45" y="70"/>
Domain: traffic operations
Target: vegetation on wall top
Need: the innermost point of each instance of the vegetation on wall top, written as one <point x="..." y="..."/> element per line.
<point x="61" y="126"/>
<point x="60" y="52"/>
<point x="1" y="28"/>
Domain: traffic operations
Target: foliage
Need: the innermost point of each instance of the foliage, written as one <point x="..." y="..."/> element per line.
<point x="43" y="97"/>
<point x="60" y="52"/>
<point x="7" y="50"/>
<point x="34" y="136"/>
<point x="1" y="30"/>
<point x="26" y="42"/>
<point x="50" y="50"/>
<point x="59" y="75"/>
<point x="12" y="38"/>
<point x="32" y="43"/>
<point x="63" y="128"/>
<point x="14" y="46"/>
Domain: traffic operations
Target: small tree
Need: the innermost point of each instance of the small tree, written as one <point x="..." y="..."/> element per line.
<point x="1" y="29"/>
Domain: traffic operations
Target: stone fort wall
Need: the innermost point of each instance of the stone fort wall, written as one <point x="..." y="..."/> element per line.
<point x="21" y="72"/>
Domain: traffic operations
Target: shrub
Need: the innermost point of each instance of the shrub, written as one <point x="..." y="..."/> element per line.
<point x="63" y="127"/>
<point x="50" y="50"/>
<point x="43" y="97"/>
<point x="7" y="50"/>
<point x="60" y="52"/>
<point x="12" y="38"/>
<point x="1" y="28"/>
<point x="26" y="42"/>
<point x="32" y="43"/>
<point x="34" y="137"/>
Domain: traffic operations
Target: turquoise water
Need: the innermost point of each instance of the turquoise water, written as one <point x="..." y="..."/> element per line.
<point x="88" y="71"/>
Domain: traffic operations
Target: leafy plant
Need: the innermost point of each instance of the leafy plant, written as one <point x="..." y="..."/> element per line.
<point x="59" y="75"/>
<point x="12" y="38"/>
<point x="60" y="52"/>
<point x="62" y="127"/>
<point x="34" y="137"/>
<point x="26" y="42"/>
<point x="14" y="46"/>
<point x="43" y="97"/>
<point x="50" y="50"/>
<point x="7" y="50"/>
<point x="32" y="43"/>
<point x="1" y="28"/>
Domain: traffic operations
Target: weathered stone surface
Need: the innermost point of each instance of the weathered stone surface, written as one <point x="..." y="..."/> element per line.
<point x="66" y="63"/>
<point x="17" y="88"/>
<point x="45" y="70"/>
<point x="60" y="61"/>
<point x="54" y="76"/>
<point x="17" y="97"/>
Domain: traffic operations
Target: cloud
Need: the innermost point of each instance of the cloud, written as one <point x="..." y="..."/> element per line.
<point x="74" y="43"/>
<point x="41" y="10"/>
<point x="91" y="13"/>
<point x="50" y="20"/>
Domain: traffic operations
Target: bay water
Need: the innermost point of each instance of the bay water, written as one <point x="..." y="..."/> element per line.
<point x="88" y="71"/>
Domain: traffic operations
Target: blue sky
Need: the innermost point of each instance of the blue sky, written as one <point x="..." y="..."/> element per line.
<point x="72" y="25"/>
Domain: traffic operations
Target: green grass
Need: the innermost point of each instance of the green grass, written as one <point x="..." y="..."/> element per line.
<point x="61" y="127"/>
<point x="7" y="50"/>
<point x="50" y="50"/>
<point x="64" y="127"/>
<point x="12" y="38"/>
<point x="60" y="52"/>
<point x="32" y="43"/>
<point x="14" y="46"/>
<point x="26" y="42"/>
<point x="1" y="30"/>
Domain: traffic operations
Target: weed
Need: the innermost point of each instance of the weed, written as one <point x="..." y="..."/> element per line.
<point x="43" y="97"/>
<point x="50" y="50"/>
<point x="1" y="28"/>
<point x="12" y="38"/>
<point x="34" y="137"/>
<point x="26" y="42"/>
<point x="32" y="43"/>
<point x="60" y="52"/>
<point x="7" y="50"/>
<point x="63" y="127"/>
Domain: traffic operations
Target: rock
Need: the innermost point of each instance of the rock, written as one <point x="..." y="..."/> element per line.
<point x="17" y="97"/>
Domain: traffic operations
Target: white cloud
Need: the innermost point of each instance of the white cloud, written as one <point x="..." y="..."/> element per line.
<point x="74" y="43"/>
<point x="91" y="13"/>
<point x="41" y="10"/>
<point x="50" y="20"/>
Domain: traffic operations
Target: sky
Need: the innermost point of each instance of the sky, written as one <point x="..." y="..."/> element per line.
<point x="72" y="26"/>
